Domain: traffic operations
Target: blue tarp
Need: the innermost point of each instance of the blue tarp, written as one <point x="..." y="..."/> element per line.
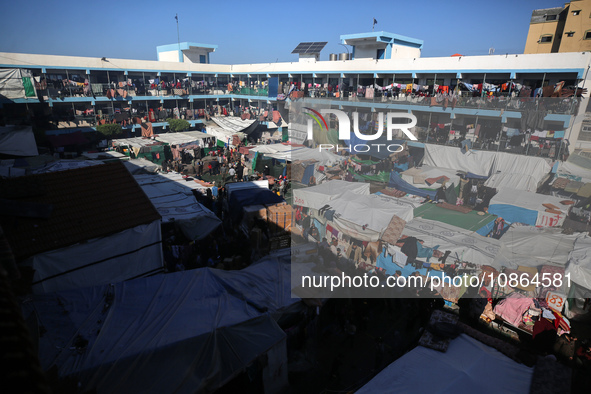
<point x="308" y="173"/>
<point x="398" y="183"/>
<point x="514" y="214"/>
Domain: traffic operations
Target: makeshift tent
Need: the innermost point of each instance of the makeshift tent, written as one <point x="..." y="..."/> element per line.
<point x="318" y="196"/>
<point x="63" y="165"/>
<point x="505" y="169"/>
<point x="185" y="332"/>
<point x="463" y="244"/>
<point x="579" y="262"/>
<point x="512" y="181"/>
<point x="141" y="166"/>
<point x="128" y="254"/>
<point x="517" y="171"/>
<point x="519" y="206"/>
<point x="577" y="167"/>
<point x="397" y="182"/>
<point x="533" y="246"/>
<point x="143" y="148"/>
<point x="366" y="217"/>
<point x="476" y="162"/>
<point x="246" y="197"/>
<point x="17" y="141"/>
<point x="174" y="201"/>
<point x="89" y="226"/>
<point x="468" y="366"/>
<point x="16" y="83"/>
<point x="183" y="139"/>
<point x="469" y="221"/>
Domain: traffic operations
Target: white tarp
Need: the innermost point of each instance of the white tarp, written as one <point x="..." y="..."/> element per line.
<point x="175" y="201"/>
<point x="512" y="181"/>
<point x="463" y="244"/>
<point x="573" y="171"/>
<point x="18" y="141"/>
<point x="136" y="142"/>
<point x="128" y="254"/>
<point x="534" y="246"/>
<point x="468" y="366"/>
<point x="317" y="196"/>
<point x="485" y="163"/>
<point x="527" y="207"/>
<point x="292" y="153"/>
<point x="366" y="217"/>
<point x="184" y="138"/>
<point x="140" y="166"/>
<point x="12" y="83"/>
<point x="233" y="124"/>
<point x="184" y="332"/>
<point x="476" y="162"/>
<point x="419" y="175"/>
<point x="579" y="262"/>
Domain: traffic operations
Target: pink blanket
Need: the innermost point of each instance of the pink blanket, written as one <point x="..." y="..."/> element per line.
<point x="512" y="308"/>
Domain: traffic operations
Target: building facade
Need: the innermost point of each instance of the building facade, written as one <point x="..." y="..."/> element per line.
<point x="498" y="93"/>
<point x="560" y="29"/>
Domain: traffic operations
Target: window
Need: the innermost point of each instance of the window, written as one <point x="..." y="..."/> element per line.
<point x="546" y="39"/>
<point x="576" y="12"/>
<point x="570" y="33"/>
<point x="551" y="17"/>
<point x="380" y="53"/>
<point x="587" y="35"/>
<point x="202" y="59"/>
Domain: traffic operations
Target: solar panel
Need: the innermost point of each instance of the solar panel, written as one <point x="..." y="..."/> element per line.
<point x="309" y="47"/>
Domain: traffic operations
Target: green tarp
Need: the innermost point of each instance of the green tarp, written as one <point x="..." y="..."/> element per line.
<point x="470" y="221"/>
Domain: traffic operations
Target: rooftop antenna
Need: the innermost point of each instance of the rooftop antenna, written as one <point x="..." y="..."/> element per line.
<point x="178" y="36"/>
<point x="491" y="51"/>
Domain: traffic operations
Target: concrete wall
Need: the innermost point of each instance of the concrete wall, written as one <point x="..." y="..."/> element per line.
<point x="536" y="31"/>
<point x="401" y="51"/>
<point x="578" y="24"/>
<point x="169" y="56"/>
<point x="193" y="55"/>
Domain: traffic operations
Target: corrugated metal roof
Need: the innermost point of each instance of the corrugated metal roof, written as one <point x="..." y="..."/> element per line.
<point x="86" y="203"/>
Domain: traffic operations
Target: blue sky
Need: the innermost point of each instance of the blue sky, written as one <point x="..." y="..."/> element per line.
<point x="259" y="31"/>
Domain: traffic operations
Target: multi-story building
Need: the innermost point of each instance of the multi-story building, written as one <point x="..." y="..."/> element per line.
<point x="497" y="94"/>
<point x="560" y="29"/>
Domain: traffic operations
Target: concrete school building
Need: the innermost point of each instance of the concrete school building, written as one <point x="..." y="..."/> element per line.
<point x="489" y="99"/>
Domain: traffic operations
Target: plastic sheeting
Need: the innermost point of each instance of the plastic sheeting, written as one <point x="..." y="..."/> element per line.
<point x="532" y="246"/>
<point x="519" y="206"/>
<point x="185" y="332"/>
<point x="64" y="165"/>
<point x="17" y="141"/>
<point x="129" y="254"/>
<point x="484" y="163"/>
<point x="468" y="366"/>
<point x="512" y="181"/>
<point x="16" y="83"/>
<point x="318" y="196"/>
<point x="579" y="262"/>
<point x="366" y="217"/>
<point x="175" y="201"/>
<point x="476" y="162"/>
<point x="463" y="244"/>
